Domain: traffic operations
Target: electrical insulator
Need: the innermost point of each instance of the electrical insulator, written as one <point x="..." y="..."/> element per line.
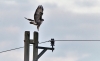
<point x="52" y="42"/>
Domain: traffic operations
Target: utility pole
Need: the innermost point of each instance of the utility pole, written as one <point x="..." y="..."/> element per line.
<point x="34" y="41"/>
<point x="35" y="50"/>
<point x="26" y="45"/>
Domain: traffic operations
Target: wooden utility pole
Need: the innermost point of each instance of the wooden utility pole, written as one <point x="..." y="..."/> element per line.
<point x="35" y="49"/>
<point x="26" y="45"/>
<point x="34" y="41"/>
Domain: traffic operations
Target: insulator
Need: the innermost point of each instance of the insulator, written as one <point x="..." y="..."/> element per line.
<point x="52" y="42"/>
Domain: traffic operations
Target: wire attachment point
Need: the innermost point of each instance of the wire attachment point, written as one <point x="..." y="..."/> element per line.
<point x="52" y="43"/>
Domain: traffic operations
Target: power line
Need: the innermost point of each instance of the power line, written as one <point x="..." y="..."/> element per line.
<point x="19" y="48"/>
<point x="45" y="42"/>
<point x="76" y="40"/>
<point x="11" y="49"/>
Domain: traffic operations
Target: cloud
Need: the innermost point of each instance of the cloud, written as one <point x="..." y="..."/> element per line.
<point x="4" y="44"/>
<point x="71" y="25"/>
<point x="69" y="56"/>
<point x="10" y="29"/>
<point x="15" y="55"/>
<point x="76" y="6"/>
<point x="86" y="3"/>
<point x="74" y="19"/>
<point x="85" y="55"/>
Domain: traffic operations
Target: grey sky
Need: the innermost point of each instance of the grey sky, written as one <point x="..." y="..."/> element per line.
<point x="65" y="19"/>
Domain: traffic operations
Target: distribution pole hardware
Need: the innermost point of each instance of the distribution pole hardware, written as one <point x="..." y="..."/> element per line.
<point x="34" y="42"/>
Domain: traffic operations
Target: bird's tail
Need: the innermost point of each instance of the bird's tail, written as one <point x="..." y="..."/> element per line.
<point x="38" y="27"/>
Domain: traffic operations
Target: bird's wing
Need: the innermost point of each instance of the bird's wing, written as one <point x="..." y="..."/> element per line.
<point x="38" y="13"/>
<point x="28" y="19"/>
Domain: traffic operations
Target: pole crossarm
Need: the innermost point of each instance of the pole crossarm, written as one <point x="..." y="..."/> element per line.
<point x="41" y="54"/>
<point x="31" y="41"/>
<point x="44" y="50"/>
<point x="48" y="48"/>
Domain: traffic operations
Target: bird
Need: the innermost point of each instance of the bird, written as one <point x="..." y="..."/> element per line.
<point x="37" y="17"/>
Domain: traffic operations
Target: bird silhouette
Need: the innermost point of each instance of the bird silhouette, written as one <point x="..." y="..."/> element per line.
<point x="37" y="17"/>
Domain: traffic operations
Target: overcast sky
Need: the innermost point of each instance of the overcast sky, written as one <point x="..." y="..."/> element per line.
<point x="63" y="20"/>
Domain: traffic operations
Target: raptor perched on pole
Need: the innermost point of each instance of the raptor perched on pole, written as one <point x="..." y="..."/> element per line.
<point x="37" y="17"/>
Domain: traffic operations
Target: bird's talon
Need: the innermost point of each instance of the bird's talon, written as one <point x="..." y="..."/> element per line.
<point x="31" y="23"/>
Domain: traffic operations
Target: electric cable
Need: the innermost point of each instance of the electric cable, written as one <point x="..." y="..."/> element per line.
<point x="45" y="42"/>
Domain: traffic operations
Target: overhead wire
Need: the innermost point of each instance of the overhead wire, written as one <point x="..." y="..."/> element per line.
<point x="76" y="40"/>
<point x="45" y="42"/>
<point x="11" y="49"/>
<point x="19" y="48"/>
